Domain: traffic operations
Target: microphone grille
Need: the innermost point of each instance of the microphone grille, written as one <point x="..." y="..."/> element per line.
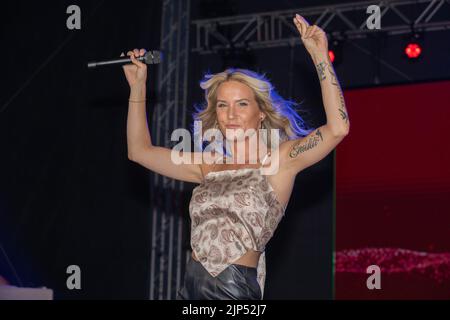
<point x="153" y="57"/>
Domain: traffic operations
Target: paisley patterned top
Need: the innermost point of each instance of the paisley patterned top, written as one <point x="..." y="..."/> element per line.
<point x="233" y="211"/>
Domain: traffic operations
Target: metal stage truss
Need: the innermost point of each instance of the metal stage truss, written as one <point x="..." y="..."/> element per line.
<point x="167" y="257"/>
<point x="275" y="28"/>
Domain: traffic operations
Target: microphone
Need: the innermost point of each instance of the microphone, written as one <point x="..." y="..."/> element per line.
<point x="150" y="57"/>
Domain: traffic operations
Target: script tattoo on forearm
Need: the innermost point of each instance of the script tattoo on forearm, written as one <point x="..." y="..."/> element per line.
<point x="321" y="67"/>
<point x="301" y="147"/>
<point x="324" y="66"/>
<point x="333" y="75"/>
<point x="335" y="82"/>
<point x="341" y="109"/>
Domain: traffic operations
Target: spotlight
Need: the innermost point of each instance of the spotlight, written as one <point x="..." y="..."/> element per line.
<point x="413" y="47"/>
<point x="413" y="50"/>
<point x="335" y="49"/>
<point x="331" y="55"/>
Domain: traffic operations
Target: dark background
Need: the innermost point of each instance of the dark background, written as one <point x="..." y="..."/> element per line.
<point x="68" y="193"/>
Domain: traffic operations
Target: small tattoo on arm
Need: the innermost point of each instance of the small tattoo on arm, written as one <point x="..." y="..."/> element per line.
<point x="333" y="76"/>
<point x="344" y="115"/>
<point x="322" y="67"/>
<point x="334" y="81"/>
<point x="321" y="70"/>
<point x="342" y="107"/>
<point x="301" y="147"/>
<point x="319" y="134"/>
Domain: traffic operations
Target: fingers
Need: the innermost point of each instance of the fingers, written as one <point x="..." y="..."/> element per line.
<point x="134" y="54"/>
<point x="302" y="21"/>
<point x="306" y="30"/>
<point x="310" y="31"/>
<point x="300" y="27"/>
<point x="303" y="26"/>
<point x="307" y="33"/>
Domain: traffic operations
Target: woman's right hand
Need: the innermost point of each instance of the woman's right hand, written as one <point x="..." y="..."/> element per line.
<point x="136" y="73"/>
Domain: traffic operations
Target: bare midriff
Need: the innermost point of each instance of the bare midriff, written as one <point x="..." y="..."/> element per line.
<point x="249" y="259"/>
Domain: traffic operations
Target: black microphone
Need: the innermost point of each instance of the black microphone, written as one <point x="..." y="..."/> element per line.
<point x="150" y="57"/>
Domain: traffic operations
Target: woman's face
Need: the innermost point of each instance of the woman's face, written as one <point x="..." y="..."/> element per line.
<point x="237" y="109"/>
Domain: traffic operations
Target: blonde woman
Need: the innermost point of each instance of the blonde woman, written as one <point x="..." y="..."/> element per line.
<point x="236" y="208"/>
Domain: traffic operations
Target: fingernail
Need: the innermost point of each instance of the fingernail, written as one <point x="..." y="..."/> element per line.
<point x="297" y="16"/>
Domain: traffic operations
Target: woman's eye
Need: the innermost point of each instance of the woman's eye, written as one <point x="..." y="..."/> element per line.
<point x="220" y="105"/>
<point x="243" y="104"/>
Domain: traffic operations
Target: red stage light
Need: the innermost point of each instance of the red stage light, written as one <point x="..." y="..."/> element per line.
<point x="413" y="50"/>
<point x="331" y="55"/>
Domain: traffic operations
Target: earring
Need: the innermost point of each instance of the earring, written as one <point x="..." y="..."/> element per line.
<point x="216" y="125"/>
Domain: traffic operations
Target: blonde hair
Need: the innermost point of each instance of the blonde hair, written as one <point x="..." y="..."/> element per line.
<point x="280" y="113"/>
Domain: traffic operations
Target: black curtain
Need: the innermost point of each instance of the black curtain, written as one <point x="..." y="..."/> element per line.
<point x="68" y="193"/>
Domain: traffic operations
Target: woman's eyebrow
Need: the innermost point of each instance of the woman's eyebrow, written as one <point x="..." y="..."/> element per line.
<point x="218" y="100"/>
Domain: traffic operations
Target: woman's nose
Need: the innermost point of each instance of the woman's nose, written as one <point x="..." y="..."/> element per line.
<point x="231" y="112"/>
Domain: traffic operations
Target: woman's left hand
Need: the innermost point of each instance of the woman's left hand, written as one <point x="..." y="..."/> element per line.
<point x="313" y="37"/>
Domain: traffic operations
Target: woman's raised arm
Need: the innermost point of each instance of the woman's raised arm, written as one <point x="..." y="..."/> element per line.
<point x="139" y="143"/>
<point x="299" y="154"/>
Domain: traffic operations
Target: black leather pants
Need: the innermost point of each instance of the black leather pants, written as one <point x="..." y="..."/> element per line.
<point x="236" y="282"/>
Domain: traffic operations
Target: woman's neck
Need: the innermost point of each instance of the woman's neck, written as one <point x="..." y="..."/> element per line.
<point x="241" y="153"/>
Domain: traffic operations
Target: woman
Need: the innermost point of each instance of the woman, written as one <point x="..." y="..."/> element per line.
<point x="236" y="209"/>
